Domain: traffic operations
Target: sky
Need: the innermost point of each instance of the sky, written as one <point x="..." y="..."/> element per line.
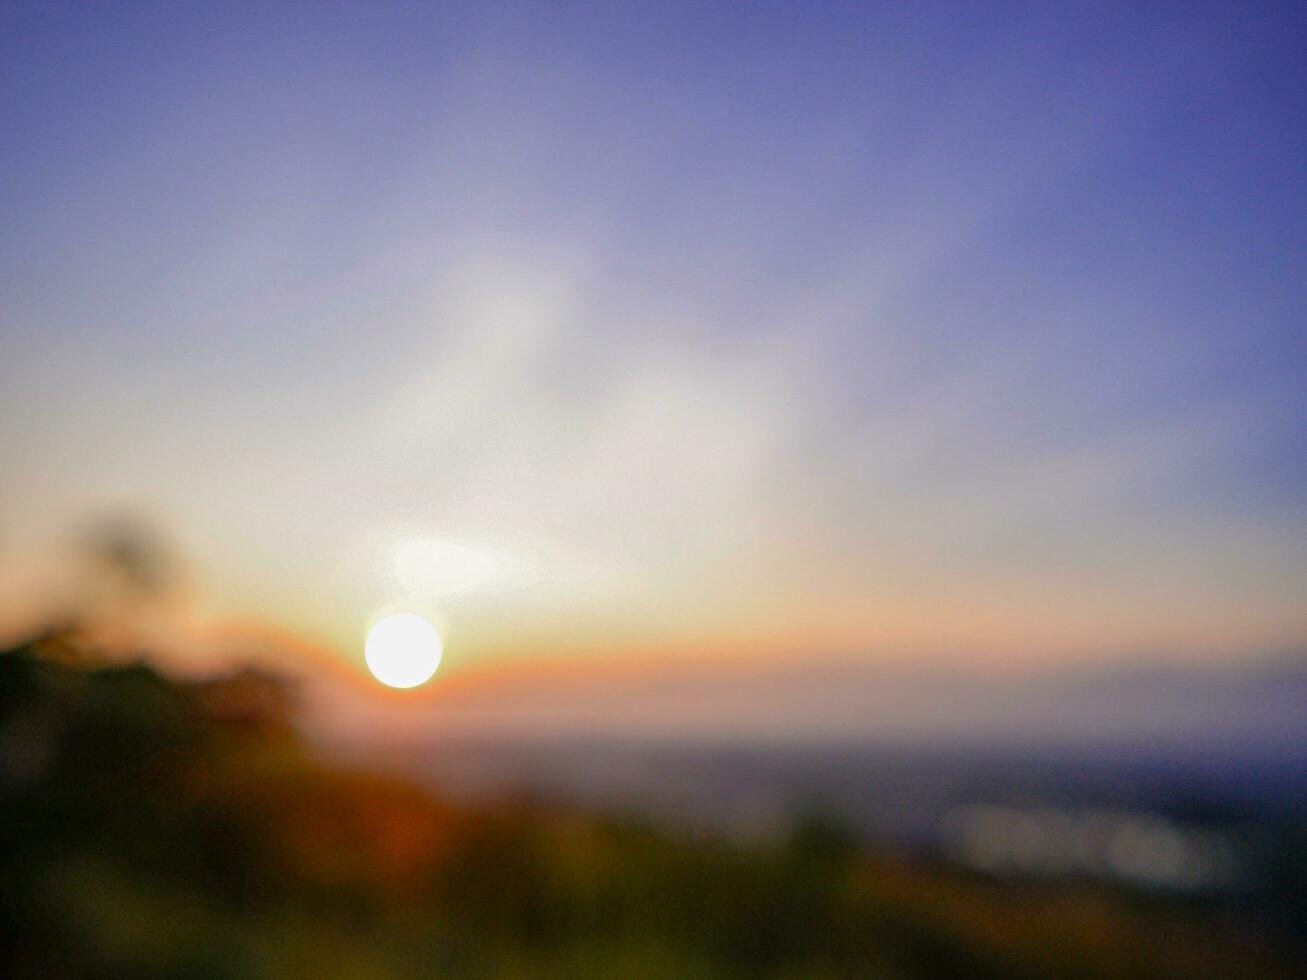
<point x="765" y="331"/>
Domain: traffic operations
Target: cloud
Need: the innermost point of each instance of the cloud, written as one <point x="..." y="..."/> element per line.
<point x="543" y="420"/>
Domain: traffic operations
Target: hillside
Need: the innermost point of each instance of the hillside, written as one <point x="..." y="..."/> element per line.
<point x="151" y="828"/>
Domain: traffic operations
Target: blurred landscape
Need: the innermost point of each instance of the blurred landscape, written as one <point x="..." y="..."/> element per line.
<point x="155" y="828"/>
<point x="769" y="491"/>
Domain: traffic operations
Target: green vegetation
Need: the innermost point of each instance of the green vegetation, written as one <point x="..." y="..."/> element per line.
<point x="157" y="829"/>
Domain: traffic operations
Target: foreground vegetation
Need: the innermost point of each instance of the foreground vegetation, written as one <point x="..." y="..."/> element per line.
<point x="150" y="828"/>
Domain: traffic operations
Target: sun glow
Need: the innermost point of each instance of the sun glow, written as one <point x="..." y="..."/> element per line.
<point x="402" y="650"/>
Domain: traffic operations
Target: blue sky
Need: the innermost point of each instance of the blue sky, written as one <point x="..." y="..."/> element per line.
<point x="774" y="328"/>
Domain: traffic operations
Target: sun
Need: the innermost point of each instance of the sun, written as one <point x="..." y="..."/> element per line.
<point x="402" y="650"/>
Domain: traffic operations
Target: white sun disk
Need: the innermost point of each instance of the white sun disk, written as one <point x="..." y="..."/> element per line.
<point x="402" y="650"/>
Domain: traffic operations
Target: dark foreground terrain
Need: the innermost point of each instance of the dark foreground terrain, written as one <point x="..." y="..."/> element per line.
<point x="150" y="828"/>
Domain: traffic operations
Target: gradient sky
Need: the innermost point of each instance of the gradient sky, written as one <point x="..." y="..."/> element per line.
<point x="782" y="329"/>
